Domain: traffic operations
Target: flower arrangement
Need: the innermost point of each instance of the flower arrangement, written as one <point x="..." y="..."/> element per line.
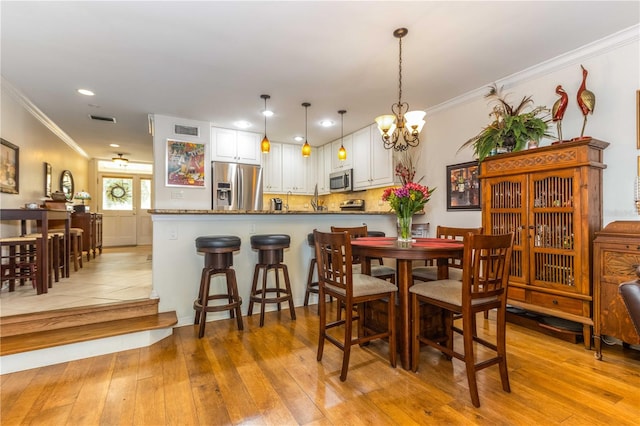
<point x="407" y="200"/>
<point x="82" y="195"/>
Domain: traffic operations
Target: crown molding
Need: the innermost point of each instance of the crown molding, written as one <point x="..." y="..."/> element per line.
<point x="596" y="48"/>
<point x="41" y="117"/>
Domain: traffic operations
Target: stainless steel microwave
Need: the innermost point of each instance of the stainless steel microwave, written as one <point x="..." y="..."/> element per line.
<point x="341" y="181"/>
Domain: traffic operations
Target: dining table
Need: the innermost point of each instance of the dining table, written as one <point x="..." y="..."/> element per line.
<point x="439" y="250"/>
<point x="42" y="218"/>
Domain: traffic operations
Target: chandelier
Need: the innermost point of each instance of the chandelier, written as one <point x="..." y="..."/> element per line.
<point x="265" y="145"/>
<point x="120" y="160"/>
<point x="401" y="129"/>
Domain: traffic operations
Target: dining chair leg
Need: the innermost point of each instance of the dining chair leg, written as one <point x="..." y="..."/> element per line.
<point x="322" y="313"/>
<point x="502" y="349"/>
<point x="469" y="360"/>
<point x="348" y="322"/>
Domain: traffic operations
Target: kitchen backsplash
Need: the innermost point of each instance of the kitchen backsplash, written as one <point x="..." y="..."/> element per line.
<point x="372" y="200"/>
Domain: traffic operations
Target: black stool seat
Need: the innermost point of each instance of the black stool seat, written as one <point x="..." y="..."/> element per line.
<point x="310" y="240"/>
<point x="270" y="257"/>
<point x="218" y="251"/>
<point x="217" y="242"/>
<point x="375" y="234"/>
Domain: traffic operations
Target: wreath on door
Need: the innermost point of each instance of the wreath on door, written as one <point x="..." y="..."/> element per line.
<point x="119" y="192"/>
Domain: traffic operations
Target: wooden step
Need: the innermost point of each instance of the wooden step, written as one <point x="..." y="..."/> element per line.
<point x="71" y="317"/>
<point x="81" y="333"/>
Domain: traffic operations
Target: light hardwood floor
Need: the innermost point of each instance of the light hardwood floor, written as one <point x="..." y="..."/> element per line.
<point x="270" y="376"/>
<point x="119" y="273"/>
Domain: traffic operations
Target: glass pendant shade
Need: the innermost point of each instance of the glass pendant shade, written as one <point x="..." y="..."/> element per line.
<point x="386" y="123"/>
<point x="415" y="120"/>
<point x="306" y="149"/>
<point x="342" y="153"/>
<point x="265" y="145"/>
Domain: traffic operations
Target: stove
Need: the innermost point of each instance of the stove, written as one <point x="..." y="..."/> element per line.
<point x="352" y="205"/>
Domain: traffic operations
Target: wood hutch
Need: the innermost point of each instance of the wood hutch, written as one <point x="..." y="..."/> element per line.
<point x="91" y="224"/>
<point x="616" y="257"/>
<point x="551" y="197"/>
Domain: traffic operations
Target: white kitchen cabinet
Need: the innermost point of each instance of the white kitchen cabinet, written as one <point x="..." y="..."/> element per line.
<point x="323" y="168"/>
<point x="336" y="164"/>
<point x="272" y="170"/>
<point x="234" y="146"/>
<point x="294" y="170"/>
<point x="374" y="167"/>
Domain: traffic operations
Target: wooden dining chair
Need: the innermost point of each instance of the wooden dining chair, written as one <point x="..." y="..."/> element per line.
<point x="485" y="274"/>
<point x="336" y="278"/>
<point x="379" y="271"/>
<point x="429" y="272"/>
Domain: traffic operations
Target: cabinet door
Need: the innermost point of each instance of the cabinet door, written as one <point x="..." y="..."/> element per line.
<point x="336" y="164"/>
<point x="382" y="166"/>
<point x="556" y="238"/>
<point x="223" y="143"/>
<point x="505" y="206"/>
<point x="248" y="147"/>
<point x="361" y="150"/>
<point x="273" y="169"/>
<point x="293" y="173"/>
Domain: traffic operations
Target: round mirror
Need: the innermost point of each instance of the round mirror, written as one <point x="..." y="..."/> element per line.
<point x="66" y="184"/>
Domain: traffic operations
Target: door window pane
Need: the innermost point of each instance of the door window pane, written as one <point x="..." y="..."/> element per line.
<point x="117" y="193"/>
<point x="145" y="194"/>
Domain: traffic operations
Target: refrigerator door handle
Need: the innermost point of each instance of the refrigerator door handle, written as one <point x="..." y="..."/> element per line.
<point x="241" y="205"/>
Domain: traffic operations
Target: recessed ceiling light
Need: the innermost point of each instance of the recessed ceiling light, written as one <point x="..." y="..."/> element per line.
<point x="86" y="92"/>
<point x="326" y="123"/>
<point x="242" y="124"/>
<point x="298" y="138"/>
<point x="267" y="113"/>
<point x="114" y="145"/>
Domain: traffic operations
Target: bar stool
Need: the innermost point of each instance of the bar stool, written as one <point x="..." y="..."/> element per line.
<point x="218" y="251"/>
<point x="270" y="256"/>
<point x="312" y="286"/>
<point x="21" y="262"/>
<point x="76" y="247"/>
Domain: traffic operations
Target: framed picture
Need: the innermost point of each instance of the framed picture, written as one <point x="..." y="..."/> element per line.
<point x="9" y="167"/>
<point x="185" y="164"/>
<point x="463" y="186"/>
<point x="47" y="180"/>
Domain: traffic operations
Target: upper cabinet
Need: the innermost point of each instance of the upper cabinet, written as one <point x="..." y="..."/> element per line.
<point x="374" y="167"/>
<point x="296" y="170"/>
<point x="235" y="146"/>
<point x="272" y="169"/>
<point x="323" y="168"/>
<point x="336" y="164"/>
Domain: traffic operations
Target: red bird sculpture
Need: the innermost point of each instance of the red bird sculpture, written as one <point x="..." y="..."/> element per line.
<point x="586" y="99"/>
<point x="559" y="107"/>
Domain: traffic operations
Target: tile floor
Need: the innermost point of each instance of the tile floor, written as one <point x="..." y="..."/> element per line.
<point x="119" y="273"/>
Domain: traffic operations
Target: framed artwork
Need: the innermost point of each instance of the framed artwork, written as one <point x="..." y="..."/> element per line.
<point x="9" y="167"/>
<point x="66" y="184"/>
<point x="463" y="186"/>
<point x="185" y="164"/>
<point x="47" y="180"/>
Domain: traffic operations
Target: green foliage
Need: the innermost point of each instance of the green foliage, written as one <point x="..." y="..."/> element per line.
<point x="511" y="127"/>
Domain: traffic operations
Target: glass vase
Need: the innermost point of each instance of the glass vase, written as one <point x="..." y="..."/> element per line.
<point x="404" y="227"/>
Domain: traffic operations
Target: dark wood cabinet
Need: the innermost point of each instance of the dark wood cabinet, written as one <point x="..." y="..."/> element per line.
<point x="551" y="198"/>
<point x="616" y="256"/>
<point x="91" y="224"/>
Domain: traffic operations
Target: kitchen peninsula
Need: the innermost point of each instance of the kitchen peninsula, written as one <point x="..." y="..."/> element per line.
<point x="177" y="266"/>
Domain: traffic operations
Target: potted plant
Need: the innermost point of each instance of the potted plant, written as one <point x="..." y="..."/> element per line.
<point x="512" y="128"/>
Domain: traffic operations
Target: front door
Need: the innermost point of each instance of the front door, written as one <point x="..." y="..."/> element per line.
<point x="118" y="202"/>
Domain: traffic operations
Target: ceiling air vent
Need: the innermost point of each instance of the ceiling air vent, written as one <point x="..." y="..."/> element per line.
<point x="179" y="129"/>
<point x="100" y="118"/>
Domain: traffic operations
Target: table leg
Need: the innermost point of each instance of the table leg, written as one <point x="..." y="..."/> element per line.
<point x="405" y="280"/>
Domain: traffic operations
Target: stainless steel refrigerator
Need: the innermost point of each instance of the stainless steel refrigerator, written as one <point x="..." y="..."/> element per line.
<point x="236" y="186"/>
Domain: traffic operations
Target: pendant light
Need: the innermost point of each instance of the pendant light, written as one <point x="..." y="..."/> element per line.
<point x="306" y="148"/>
<point x="342" y="153"/>
<point x="265" y="146"/>
<point x="401" y="129"/>
<point x="120" y="160"/>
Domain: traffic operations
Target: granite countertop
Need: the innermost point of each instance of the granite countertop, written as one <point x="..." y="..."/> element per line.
<point x="265" y="212"/>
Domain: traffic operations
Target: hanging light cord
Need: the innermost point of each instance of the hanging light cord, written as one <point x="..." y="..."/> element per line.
<point x="400" y="73"/>
<point x="306" y="107"/>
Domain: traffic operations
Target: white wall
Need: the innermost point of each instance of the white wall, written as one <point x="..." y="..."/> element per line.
<point x="38" y="144"/>
<point x="172" y="197"/>
<point x="614" y="77"/>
